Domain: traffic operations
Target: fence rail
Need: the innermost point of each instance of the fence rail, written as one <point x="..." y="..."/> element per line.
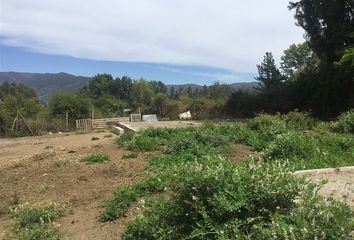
<point x="88" y="123"/>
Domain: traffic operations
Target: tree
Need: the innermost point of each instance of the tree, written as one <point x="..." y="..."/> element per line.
<point x="159" y="100"/>
<point x="269" y="77"/>
<point x="142" y="93"/>
<point x="172" y="92"/>
<point x="100" y="85"/>
<point x="122" y="88"/>
<point x="158" y="87"/>
<point x="328" y="26"/>
<point x="296" y="58"/>
<point x="78" y="106"/>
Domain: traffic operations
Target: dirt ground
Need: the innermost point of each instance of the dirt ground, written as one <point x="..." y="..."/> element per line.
<point x="41" y="170"/>
<point x="46" y="169"/>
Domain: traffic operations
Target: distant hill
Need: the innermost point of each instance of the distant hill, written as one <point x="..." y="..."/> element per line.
<point x="46" y="84"/>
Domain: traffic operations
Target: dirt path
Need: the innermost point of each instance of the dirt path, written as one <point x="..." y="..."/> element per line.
<point x="47" y="169"/>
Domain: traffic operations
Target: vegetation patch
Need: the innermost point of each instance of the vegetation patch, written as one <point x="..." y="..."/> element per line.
<point x="253" y="200"/>
<point x="37" y="222"/>
<point x="96" y="158"/>
<point x="209" y="197"/>
<point x="117" y="206"/>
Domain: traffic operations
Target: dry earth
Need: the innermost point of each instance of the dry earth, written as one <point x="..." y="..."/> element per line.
<point x="47" y="169"/>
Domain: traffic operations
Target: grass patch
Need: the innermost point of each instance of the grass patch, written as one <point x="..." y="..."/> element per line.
<point x="37" y="222"/>
<point x="117" y="206"/>
<point x="108" y="136"/>
<point x="96" y="158"/>
<point x="95" y="138"/>
<point x="130" y="155"/>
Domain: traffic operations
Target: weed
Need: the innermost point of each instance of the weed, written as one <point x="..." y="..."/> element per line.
<point x="37" y="222"/>
<point x="96" y="158"/>
<point x="118" y="204"/>
<point x="4" y="210"/>
<point x="130" y="155"/>
<point x="95" y="138"/>
<point x="16" y="199"/>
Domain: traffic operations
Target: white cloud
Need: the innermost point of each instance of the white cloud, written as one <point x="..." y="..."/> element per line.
<point x="230" y="34"/>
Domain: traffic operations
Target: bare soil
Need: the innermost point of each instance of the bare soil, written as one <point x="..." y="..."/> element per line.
<point x="47" y="169"/>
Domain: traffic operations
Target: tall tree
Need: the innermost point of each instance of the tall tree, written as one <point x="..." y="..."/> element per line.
<point x="296" y="58"/>
<point x="269" y="75"/>
<point x="328" y="24"/>
<point x="99" y="85"/>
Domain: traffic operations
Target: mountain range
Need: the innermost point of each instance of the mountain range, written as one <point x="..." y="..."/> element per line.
<point x="47" y="84"/>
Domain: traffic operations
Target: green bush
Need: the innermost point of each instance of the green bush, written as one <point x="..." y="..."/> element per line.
<point x="96" y="158"/>
<point x="345" y="123"/>
<point x="291" y="145"/>
<point x="299" y="120"/>
<point x="268" y="126"/>
<point x="220" y="200"/>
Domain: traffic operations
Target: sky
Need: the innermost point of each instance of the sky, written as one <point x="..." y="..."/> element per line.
<point x="176" y="41"/>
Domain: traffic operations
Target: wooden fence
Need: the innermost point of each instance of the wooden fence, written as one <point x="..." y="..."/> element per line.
<point x="89" y="124"/>
<point x="84" y="124"/>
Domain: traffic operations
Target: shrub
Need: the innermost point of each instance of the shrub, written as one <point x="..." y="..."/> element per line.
<point x="221" y="200"/>
<point x="96" y="158"/>
<point x="268" y="126"/>
<point x="299" y="120"/>
<point x="291" y="145"/>
<point x="345" y="123"/>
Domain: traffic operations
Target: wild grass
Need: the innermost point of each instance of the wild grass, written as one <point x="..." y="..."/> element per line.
<point x="37" y="222"/>
<point x="96" y="158"/>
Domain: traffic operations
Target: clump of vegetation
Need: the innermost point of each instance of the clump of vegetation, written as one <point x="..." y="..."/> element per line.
<point x="252" y="200"/>
<point x="16" y="199"/>
<point x="4" y="210"/>
<point x="108" y="136"/>
<point x="345" y="123"/>
<point x="118" y="204"/>
<point x="130" y="155"/>
<point x="37" y="222"/>
<point x="95" y="138"/>
<point x="96" y="158"/>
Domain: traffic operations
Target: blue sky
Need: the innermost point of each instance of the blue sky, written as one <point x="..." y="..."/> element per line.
<point x="176" y="41"/>
<point x="19" y="60"/>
